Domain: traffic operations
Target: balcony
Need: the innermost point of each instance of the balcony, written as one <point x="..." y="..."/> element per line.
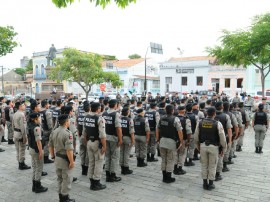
<point x="40" y="77"/>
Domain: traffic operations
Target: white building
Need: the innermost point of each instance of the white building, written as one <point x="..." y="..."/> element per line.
<point x="185" y="74"/>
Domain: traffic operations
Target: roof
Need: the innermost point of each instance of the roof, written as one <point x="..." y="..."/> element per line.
<point x="124" y="63"/>
<point x="147" y="77"/>
<point x="195" y="58"/>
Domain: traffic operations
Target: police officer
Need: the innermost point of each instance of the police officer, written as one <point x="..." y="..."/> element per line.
<point x="128" y="141"/>
<point x="168" y="134"/>
<point x="187" y="132"/>
<point x="153" y="118"/>
<point x="83" y="144"/>
<point x="56" y="112"/>
<point x="9" y="112"/>
<point x="266" y="106"/>
<point x="236" y="98"/>
<point x="249" y="103"/>
<point x="196" y="111"/>
<point x="52" y="106"/>
<point x="260" y="123"/>
<point x="47" y="126"/>
<point x="20" y="135"/>
<point x="209" y="135"/>
<point x="190" y="151"/>
<point x="95" y="134"/>
<point x="203" y="98"/>
<point x="36" y="152"/>
<point x="161" y="109"/>
<point x="142" y="136"/>
<point x="113" y="141"/>
<point x="2" y="134"/>
<point x="61" y="148"/>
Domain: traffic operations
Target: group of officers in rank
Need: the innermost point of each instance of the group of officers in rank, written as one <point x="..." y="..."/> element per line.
<point x="176" y="129"/>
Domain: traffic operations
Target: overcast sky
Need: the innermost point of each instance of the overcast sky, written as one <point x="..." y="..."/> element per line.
<point x="189" y="24"/>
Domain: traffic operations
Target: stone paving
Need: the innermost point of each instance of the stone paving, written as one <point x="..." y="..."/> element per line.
<point x="248" y="180"/>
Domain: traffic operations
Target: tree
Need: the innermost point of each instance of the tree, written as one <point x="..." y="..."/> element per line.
<point x="7" y="42"/>
<point x="247" y="47"/>
<point x="83" y="68"/>
<point x="29" y="66"/>
<point x="134" y="56"/>
<point x="20" y="71"/>
<point x="103" y="3"/>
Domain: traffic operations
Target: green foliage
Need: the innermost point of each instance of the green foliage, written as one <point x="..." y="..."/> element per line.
<point x="83" y="68"/>
<point x="102" y="3"/>
<point x="20" y="71"/>
<point x="29" y="66"/>
<point x="7" y="42"/>
<point x="109" y="57"/>
<point x="134" y="56"/>
<point x="246" y="47"/>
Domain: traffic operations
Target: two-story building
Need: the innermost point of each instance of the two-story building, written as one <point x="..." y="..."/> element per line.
<point x="185" y="74"/>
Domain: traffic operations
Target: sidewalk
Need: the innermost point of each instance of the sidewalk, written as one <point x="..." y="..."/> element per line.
<point x="248" y="180"/>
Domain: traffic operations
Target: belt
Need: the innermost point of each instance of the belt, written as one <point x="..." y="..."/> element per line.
<point x="63" y="156"/>
<point x="17" y="130"/>
<point x="207" y="143"/>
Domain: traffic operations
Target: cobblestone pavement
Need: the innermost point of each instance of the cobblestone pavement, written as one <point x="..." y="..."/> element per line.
<point x="248" y="180"/>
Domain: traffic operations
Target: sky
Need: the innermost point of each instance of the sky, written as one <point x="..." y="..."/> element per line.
<point x="191" y="25"/>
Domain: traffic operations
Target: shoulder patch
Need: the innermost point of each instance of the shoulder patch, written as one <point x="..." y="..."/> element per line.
<point x="70" y="137"/>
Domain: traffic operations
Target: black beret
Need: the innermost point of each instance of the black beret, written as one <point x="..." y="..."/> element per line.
<point x="95" y="105"/>
<point x="218" y="104"/>
<point x="181" y="108"/>
<point x="140" y="110"/>
<point x="260" y="106"/>
<point x="34" y="115"/>
<point x="62" y="117"/>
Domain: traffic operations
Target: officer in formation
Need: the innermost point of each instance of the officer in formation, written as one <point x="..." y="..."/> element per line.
<point x="249" y="103"/>
<point x="61" y="148"/>
<point x="9" y="112"/>
<point x="20" y="134"/>
<point x="168" y="135"/>
<point x="128" y="141"/>
<point x="95" y="134"/>
<point x="36" y="152"/>
<point x="142" y="136"/>
<point x="2" y="134"/>
<point x="209" y="136"/>
<point x="153" y="118"/>
<point x="113" y="141"/>
<point x="56" y="112"/>
<point x="260" y="123"/>
<point x="47" y="126"/>
<point x="266" y="106"/>
<point x="187" y="132"/>
<point x="236" y="99"/>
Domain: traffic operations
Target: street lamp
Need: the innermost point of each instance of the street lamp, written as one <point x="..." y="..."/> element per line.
<point x="155" y="48"/>
<point x="181" y="53"/>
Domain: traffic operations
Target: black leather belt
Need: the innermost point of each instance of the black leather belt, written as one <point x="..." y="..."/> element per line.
<point x="17" y="130"/>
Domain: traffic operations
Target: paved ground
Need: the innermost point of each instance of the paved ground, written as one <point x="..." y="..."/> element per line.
<point x="248" y="180"/>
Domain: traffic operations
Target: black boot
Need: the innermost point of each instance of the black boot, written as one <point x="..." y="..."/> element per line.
<point x="148" y="158"/>
<point x="127" y="171"/>
<point x="23" y="166"/>
<point x="181" y="171"/>
<point x="108" y="176"/>
<point x="123" y="170"/>
<point x="152" y="158"/>
<point x="3" y="139"/>
<point x="44" y="173"/>
<point x="190" y="163"/>
<point x="260" y="150"/>
<point x="186" y="162"/>
<point x="74" y="179"/>
<point x="84" y="170"/>
<point x="164" y="179"/>
<point x="257" y="150"/>
<point x="205" y="184"/>
<point x="97" y="186"/>
<point x="65" y="198"/>
<point x="239" y="149"/>
<point x="225" y="168"/>
<point x="10" y="141"/>
<point x="175" y="170"/>
<point x="60" y="197"/>
<point x="91" y="184"/>
<point x="218" y="176"/>
<point x="230" y="161"/>
<point x="114" y="178"/>
<point x="47" y="160"/>
<point x="2" y="150"/>
<point x="39" y="188"/>
<point x="33" y="186"/>
<point x="211" y="185"/>
<point x="158" y="151"/>
<point x="143" y="164"/>
<point x="195" y="157"/>
<point x="169" y="178"/>
<point x="138" y="162"/>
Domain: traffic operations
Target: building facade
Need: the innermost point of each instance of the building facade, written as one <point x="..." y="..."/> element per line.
<point x="185" y="74"/>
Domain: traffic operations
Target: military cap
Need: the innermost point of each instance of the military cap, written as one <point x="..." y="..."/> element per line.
<point x="181" y="108"/>
<point x="260" y="106"/>
<point x="140" y="110"/>
<point x="62" y="117"/>
<point x="218" y="104"/>
<point x="34" y="115"/>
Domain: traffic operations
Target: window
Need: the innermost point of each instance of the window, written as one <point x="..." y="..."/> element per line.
<point x="227" y="83"/>
<point x="42" y="70"/>
<point x="239" y="83"/>
<point x="37" y="70"/>
<point x="45" y="88"/>
<point x="155" y="84"/>
<point x="168" y="80"/>
<point x="199" y="80"/>
<point x="167" y="87"/>
<point x="184" y="81"/>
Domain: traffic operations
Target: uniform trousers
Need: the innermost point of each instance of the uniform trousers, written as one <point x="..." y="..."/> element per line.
<point x="151" y="147"/>
<point x="10" y="130"/>
<point x="46" y="136"/>
<point x="140" y="146"/>
<point x="190" y="151"/>
<point x="20" y="150"/>
<point x="37" y="165"/>
<point x="168" y="159"/>
<point x="260" y="131"/>
<point x="112" y="156"/>
<point x="83" y="152"/>
<point x="125" y="149"/>
<point x="181" y="156"/>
